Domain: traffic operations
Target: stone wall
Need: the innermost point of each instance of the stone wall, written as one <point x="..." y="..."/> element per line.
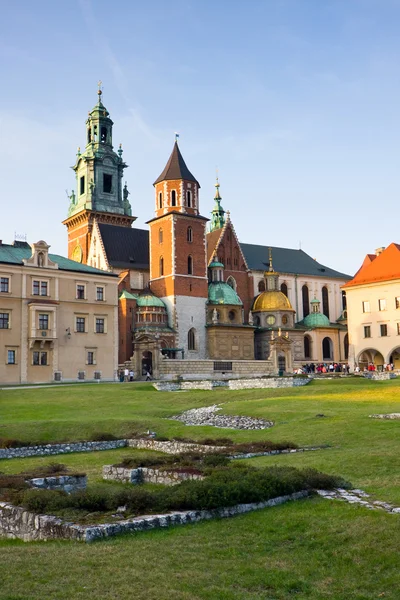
<point x="52" y="449"/>
<point x="146" y="475"/>
<point x="172" y="447"/>
<point x="66" y="483"/>
<point x="198" y="369"/>
<point x="16" y="522"/>
<point x="268" y="382"/>
<point x="381" y="376"/>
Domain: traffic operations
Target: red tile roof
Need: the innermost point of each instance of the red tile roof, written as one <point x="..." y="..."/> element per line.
<point x="374" y="269"/>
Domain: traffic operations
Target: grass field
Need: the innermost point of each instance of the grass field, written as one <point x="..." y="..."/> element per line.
<point x="308" y="549"/>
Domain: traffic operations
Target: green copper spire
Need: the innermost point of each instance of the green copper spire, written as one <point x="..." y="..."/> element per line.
<point x="99" y="169"/>
<point x="218" y="213"/>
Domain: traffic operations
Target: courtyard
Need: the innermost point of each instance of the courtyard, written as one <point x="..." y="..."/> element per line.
<point x="305" y="549"/>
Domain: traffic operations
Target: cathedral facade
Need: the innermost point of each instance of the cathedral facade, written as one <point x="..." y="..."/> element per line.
<point x="189" y="290"/>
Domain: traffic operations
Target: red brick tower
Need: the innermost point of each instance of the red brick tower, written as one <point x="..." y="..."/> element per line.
<point x="178" y="266"/>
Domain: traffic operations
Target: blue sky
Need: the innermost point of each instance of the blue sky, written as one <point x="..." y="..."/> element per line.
<point x="296" y="101"/>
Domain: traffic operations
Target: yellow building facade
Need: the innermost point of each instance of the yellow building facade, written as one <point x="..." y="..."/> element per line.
<point x="373" y="310"/>
<point x="58" y="318"/>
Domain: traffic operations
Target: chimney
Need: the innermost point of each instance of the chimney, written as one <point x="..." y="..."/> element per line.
<point x="379" y="251"/>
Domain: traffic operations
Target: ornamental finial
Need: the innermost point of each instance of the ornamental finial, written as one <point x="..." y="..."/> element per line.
<point x="100" y="90"/>
<point x="271" y="268"/>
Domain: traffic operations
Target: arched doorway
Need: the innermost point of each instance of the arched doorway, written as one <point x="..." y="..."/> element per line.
<point x="281" y="363"/>
<point x="284" y="289"/>
<point x="370" y="356"/>
<point x="327" y="349"/>
<point x="394" y="358"/>
<point x="147" y="362"/>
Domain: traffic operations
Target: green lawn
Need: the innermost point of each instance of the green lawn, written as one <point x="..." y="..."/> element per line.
<point x="309" y="549"/>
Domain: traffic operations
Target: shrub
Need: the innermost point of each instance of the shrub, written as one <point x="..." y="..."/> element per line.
<point x="102" y="436"/>
<point x="11" y="443"/>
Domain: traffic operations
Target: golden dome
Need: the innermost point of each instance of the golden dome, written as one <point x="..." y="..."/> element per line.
<point x="272" y="300"/>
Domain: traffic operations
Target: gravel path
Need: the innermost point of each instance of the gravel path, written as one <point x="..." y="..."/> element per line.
<point x="208" y="416"/>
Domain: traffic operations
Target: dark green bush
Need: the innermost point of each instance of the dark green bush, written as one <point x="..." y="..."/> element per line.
<point x="103" y="436"/>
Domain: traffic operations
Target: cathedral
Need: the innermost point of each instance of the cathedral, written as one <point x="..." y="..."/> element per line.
<point x="192" y="297"/>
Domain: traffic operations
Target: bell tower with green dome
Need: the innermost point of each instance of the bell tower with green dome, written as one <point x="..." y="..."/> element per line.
<point x="99" y="193"/>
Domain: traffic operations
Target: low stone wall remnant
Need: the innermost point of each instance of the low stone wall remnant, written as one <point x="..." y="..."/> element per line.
<point x="380" y="376"/>
<point x="391" y="416"/>
<point x="16" y="522"/>
<point x="172" y="447"/>
<point x="267" y="382"/>
<point x="65" y="483"/>
<point x="67" y="448"/>
<point x="147" y="475"/>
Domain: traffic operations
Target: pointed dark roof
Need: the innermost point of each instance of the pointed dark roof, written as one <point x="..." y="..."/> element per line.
<point x="176" y="168"/>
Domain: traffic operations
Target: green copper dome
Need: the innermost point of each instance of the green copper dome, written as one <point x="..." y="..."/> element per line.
<point x="149" y="300"/>
<point x="222" y="293"/>
<point x="216" y="263"/>
<point x="316" y="320"/>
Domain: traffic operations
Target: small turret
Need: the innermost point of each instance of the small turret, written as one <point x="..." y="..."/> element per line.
<point x="218" y="213"/>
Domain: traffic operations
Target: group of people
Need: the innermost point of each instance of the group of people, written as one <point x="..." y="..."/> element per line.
<point x="324" y="368"/>
<point x="372" y="367"/>
<point x="125" y="375"/>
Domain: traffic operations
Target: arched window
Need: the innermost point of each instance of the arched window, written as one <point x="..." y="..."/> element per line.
<point x="192" y="339"/>
<point x="344" y="300"/>
<point x="232" y="315"/>
<point x="307" y="346"/>
<point x="160" y="236"/>
<point x="327" y="352"/>
<point x="325" y="301"/>
<point x="231" y="281"/>
<point x="189" y="198"/>
<point x="261" y="286"/>
<point x="161" y="266"/>
<point x="284" y="289"/>
<point x="190" y="265"/>
<point x="306" y="301"/>
<point x="160" y="200"/>
<point x="189" y="234"/>
<point x="346" y="346"/>
<point x="173" y="198"/>
<point x="103" y="134"/>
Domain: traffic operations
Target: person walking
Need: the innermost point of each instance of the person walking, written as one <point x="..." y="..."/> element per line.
<point x="131" y="375"/>
<point x="126" y="374"/>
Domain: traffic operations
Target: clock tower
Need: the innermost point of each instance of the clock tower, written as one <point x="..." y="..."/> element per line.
<point x="99" y="194"/>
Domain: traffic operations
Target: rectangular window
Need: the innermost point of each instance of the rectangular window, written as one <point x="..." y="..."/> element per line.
<point x="99" y="325"/>
<point x="99" y="294"/>
<point x="80" y="324"/>
<point x="11" y="357"/>
<point x="82" y="185"/>
<point x="4" y="284"/>
<point x="382" y="304"/>
<point x="39" y="359"/>
<point x="43" y="321"/>
<point x="107" y="183"/>
<point x="80" y="292"/>
<point x="367" y="331"/>
<point x="397" y="301"/>
<point x="39" y="288"/>
<point x="4" y="321"/>
<point x="383" y="330"/>
<point x="90" y="358"/>
<point x="398" y="328"/>
<point x="365" y="306"/>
